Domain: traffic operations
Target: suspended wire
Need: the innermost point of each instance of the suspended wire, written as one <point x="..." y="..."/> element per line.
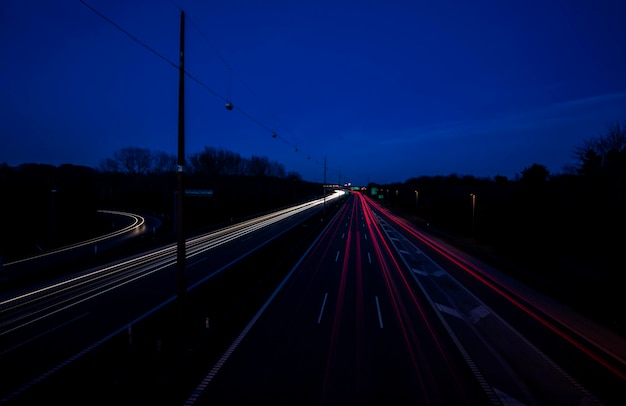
<point x="195" y="79"/>
<point x="131" y="36"/>
<point x="231" y="70"/>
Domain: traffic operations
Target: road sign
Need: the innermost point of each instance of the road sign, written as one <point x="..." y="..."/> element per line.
<point x="198" y="192"/>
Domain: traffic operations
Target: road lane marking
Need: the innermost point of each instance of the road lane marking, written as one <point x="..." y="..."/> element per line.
<point x="209" y="377"/>
<point x="196" y="262"/>
<point x="478" y="313"/>
<point x="337" y="257"/>
<point x="322" y="309"/>
<point x="43" y="333"/>
<point x="449" y="310"/>
<point x="369" y="257"/>
<point x="343" y="235"/>
<point x="380" y="318"/>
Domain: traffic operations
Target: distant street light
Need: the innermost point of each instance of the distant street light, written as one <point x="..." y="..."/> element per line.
<point x="473" y="212"/>
<point x="416" y="197"/>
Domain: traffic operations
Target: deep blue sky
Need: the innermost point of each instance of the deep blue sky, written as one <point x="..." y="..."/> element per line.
<point x="384" y="90"/>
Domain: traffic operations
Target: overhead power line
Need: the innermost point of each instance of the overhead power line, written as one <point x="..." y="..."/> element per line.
<point x="197" y="80"/>
<point x="131" y="36"/>
<point x="221" y="57"/>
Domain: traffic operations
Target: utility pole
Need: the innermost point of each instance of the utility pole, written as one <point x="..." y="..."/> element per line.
<point x="181" y="287"/>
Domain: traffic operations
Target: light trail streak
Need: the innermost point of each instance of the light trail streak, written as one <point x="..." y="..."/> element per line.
<point x="135" y="269"/>
<point x="514" y="296"/>
<point x="216" y="368"/>
<point x="329" y="234"/>
<point x="143" y="265"/>
<point x="383" y="251"/>
<point x="49" y="311"/>
<point x="138" y="221"/>
<point x="33" y="338"/>
<point x="400" y="313"/>
<point x="338" y="312"/>
<point x="360" y="308"/>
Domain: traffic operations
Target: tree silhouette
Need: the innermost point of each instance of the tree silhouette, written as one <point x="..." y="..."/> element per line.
<point x="139" y="161"/>
<point x="220" y="162"/>
<point x="535" y="175"/>
<point x="605" y="153"/>
<point x="134" y="160"/>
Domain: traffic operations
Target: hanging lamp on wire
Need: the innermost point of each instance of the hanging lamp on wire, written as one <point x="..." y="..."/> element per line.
<point x="229" y="105"/>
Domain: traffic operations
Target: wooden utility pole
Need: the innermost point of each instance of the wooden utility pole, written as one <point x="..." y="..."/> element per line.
<point x="181" y="287"/>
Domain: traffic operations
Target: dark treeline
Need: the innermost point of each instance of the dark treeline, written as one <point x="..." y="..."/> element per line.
<point x="45" y="206"/>
<point x="564" y="232"/>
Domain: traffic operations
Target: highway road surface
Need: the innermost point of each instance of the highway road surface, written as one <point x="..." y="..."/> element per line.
<point x="370" y="310"/>
<point x="47" y="328"/>
<point x="368" y="317"/>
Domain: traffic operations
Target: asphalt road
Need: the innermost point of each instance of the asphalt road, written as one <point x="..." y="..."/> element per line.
<point x="346" y="328"/>
<point x="378" y="312"/>
<point x="77" y="327"/>
<point x="359" y="309"/>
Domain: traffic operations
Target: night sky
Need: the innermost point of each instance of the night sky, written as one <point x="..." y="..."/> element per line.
<point x="383" y="90"/>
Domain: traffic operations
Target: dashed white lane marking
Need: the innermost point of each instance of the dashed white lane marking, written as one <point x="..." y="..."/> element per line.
<point x="380" y="318"/>
<point x="322" y="309"/>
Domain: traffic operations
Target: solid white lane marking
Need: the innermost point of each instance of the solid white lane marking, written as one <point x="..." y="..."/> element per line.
<point x="43" y="334"/>
<point x="380" y="318"/>
<point x="322" y="309"/>
<point x="196" y="262"/>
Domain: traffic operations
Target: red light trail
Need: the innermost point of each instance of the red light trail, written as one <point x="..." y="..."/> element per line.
<point x="513" y="295"/>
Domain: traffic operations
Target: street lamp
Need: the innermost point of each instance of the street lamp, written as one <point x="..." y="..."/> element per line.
<point x="473" y="212"/>
<point x="416" y="197"/>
